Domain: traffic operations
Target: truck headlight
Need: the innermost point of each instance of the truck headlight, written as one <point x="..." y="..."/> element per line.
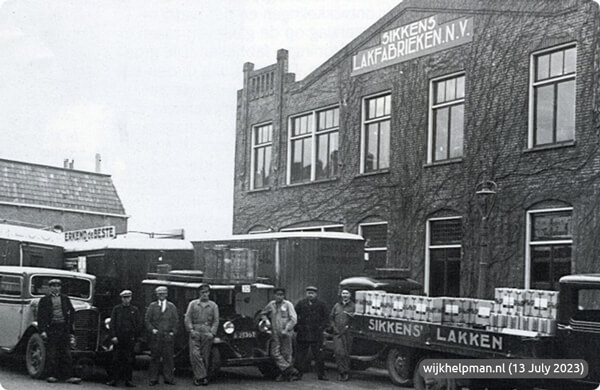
<point x="229" y="327"/>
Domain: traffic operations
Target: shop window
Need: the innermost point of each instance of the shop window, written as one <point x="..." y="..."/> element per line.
<point x="444" y="251"/>
<point x="376" y="133"/>
<point x="550" y="246"/>
<point x="553" y="94"/>
<point x="262" y="145"/>
<point x="314" y="146"/>
<point x="447" y="118"/>
<point x="376" y="243"/>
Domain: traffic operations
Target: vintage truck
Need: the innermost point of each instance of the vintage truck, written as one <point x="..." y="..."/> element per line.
<point x="402" y="343"/>
<point x="20" y="291"/>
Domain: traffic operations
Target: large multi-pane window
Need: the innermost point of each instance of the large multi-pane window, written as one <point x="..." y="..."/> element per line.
<point x="314" y="140"/>
<point x="447" y="118"/>
<point x="376" y="238"/>
<point x="376" y="133"/>
<point x="444" y="253"/>
<point x="553" y="93"/>
<point x="550" y="240"/>
<point x="262" y="145"/>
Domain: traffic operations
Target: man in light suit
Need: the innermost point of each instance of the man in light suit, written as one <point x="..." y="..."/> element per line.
<point x="161" y="322"/>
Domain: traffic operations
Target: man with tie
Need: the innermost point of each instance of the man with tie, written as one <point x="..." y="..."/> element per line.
<point x="161" y="323"/>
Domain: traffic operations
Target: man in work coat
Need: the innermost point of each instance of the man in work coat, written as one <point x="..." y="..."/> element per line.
<point x="342" y="340"/>
<point x="55" y="318"/>
<point x="125" y="327"/>
<point x="202" y="321"/>
<point x="313" y="318"/>
<point x="161" y="323"/>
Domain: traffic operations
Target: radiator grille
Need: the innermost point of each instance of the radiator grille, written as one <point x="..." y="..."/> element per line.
<point x="86" y="329"/>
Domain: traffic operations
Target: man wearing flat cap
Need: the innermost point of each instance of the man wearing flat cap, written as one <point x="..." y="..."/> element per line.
<point x="313" y="318"/>
<point x="55" y="319"/>
<point x="202" y="321"/>
<point x="161" y="322"/>
<point x="125" y="327"/>
<point x="342" y="339"/>
<point x="283" y="319"/>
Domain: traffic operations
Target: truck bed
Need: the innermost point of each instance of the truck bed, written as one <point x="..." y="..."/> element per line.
<point x="450" y="338"/>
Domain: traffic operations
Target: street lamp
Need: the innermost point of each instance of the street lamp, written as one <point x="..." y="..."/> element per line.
<point x="485" y="197"/>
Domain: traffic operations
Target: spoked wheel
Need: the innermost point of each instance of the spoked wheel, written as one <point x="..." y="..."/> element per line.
<point x="399" y="368"/>
<point x="35" y="356"/>
<point x="422" y="383"/>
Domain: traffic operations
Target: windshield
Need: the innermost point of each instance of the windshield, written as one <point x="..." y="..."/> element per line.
<point x="73" y="287"/>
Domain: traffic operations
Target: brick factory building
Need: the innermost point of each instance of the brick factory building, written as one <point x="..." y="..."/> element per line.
<point x="392" y="137"/>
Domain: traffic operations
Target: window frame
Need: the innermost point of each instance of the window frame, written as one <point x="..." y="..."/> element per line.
<point x="323" y="228"/>
<point x="433" y="107"/>
<point x="21" y="280"/>
<point x="375" y="249"/>
<point x="364" y="122"/>
<point x="554" y="81"/>
<point x="529" y="243"/>
<point x="313" y="134"/>
<point x="254" y="148"/>
<point x="428" y="247"/>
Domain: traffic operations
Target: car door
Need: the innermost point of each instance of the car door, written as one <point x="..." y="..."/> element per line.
<point x="11" y="310"/>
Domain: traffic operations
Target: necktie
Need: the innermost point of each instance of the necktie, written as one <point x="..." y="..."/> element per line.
<point x="163" y="306"/>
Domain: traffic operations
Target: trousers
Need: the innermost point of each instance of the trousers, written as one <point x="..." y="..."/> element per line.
<point x="200" y="345"/>
<point x="281" y="350"/>
<point x="342" y="345"/>
<point x="162" y="347"/>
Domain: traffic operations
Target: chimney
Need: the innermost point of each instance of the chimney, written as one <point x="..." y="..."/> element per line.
<point x="71" y="164"/>
<point x="66" y="163"/>
<point x="98" y="163"/>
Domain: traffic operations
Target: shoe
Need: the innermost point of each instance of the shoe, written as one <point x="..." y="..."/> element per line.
<point x="169" y="382"/>
<point x="152" y="383"/>
<point x="111" y="383"/>
<point x="322" y="377"/>
<point x="74" y="380"/>
<point x="294" y="375"/>
<point x="204" y="381"/>
<point x="344" y="377"/>
<point x="197" y="382"/>
<point x="129" y="384"/>
<point x="279" y="378"/>
<point x="51" y="379"/>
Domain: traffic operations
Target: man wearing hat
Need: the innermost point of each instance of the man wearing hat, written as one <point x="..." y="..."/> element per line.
<point x="161" y="322"/>
<point x="313" y="318"/>
<point x="283" y="319"/>
<point x="125" y="328"/>
<point x="202" y="321"/>
<point x="342" y="340"/>
<point x="55" y="319"/>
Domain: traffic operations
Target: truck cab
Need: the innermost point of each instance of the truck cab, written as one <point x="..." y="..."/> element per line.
<point x="20" y="291"/>
<point x="240" y="341"/>
<point x="578" y="321"/>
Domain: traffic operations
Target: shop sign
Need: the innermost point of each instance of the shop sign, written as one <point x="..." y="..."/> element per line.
<point x="99" y="233"/>
<point x="413" y="40"/>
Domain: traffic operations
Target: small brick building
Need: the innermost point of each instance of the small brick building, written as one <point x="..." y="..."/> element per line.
<point x="392" y="137"/>
<point x="50" y="198"/>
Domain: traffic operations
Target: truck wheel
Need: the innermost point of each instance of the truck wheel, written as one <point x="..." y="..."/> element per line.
<point x="398" y="365"/>
<point x="420" y="383"/>
<point x="35" y="356"/>
<point x="269" y="370"/>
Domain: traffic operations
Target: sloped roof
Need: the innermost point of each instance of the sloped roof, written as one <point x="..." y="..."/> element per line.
<point x="41" y="185"/>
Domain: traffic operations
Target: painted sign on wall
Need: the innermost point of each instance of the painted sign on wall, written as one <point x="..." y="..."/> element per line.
<point x="98" y="233"/>
<point x="411" y="41"/>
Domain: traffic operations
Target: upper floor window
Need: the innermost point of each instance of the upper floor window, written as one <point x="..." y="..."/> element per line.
<point x="314" y="140"/>
<point x="550" y="241"/>
<point x="262" y="145"/>
<point x="447" y="96"/>
<point x="377" y="112"/>
<point x="553" y="94"/>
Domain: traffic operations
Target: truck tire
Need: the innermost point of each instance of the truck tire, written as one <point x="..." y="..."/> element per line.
<point x="35" y="356"/>
<point x="398" y="364"/>
<point x="420" y="383"/>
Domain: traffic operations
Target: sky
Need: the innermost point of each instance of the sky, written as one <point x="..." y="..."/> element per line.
<point x="151" y="86"/>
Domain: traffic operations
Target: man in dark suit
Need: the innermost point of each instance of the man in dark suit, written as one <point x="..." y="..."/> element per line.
<point x="125" y="328"/>
<point x="55" y="319"/>
<point x="313" y="318"/>
<point x="161" y="322"/>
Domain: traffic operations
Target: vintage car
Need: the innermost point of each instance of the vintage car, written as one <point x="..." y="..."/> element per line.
<point x="20" y="291"/>
<point x="241" y="339"/>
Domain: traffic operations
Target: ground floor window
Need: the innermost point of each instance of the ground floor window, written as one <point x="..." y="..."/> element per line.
<point x="550" y="243"/>
<point x="376" y="245"/>
<point x="444" y="255"/>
